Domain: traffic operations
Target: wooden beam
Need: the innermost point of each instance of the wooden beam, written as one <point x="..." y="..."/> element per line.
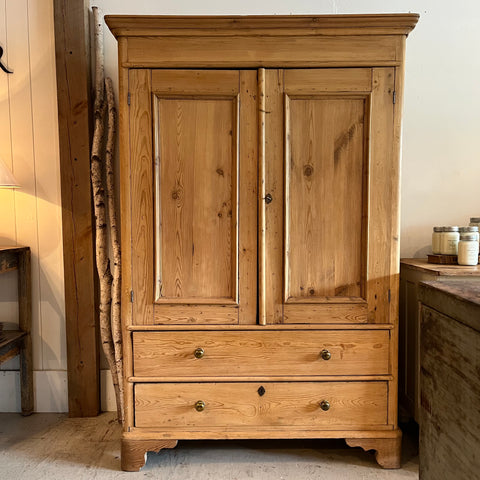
<point x="73" y="79"/>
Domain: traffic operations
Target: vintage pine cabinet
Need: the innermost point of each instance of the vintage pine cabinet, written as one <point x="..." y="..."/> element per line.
<point x="259" y="193"/>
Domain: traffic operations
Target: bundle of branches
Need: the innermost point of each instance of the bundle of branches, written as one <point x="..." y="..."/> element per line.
<point x="103" y="190"/>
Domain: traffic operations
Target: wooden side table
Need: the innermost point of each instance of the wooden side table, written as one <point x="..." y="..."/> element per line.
<point x="413" y="271"/>
<point x="19" y="342"/>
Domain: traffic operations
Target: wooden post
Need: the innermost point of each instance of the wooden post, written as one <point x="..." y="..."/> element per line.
<point x="25" y="324"/>
<point x="73" y="62"/>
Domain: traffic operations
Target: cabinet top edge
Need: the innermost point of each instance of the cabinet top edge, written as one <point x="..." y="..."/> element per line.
<point x="166" y="25"/>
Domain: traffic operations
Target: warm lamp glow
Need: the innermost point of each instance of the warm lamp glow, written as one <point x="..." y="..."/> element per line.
<point x="7" y="180"/>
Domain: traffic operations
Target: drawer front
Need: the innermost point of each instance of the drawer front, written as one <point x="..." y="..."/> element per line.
<point x="350" y="404"/>
<point x="247" y="353"/>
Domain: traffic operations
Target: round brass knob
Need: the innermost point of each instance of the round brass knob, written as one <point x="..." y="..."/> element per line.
<point x="326" y="355"/>
<point x="325" y="405"/>
<point x="200" y="406"/>
<point x="199" y="352"/>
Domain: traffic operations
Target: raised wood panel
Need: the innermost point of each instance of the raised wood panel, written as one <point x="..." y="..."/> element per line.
<point x="325" y="160"/>
<point x="256" y="51"/>
<point x="196" y="199"/>
<point x="311" y="82"/>
<point x="261" y="353"/>
<point x="352" y="405"/>
<point x="190" y="180"/>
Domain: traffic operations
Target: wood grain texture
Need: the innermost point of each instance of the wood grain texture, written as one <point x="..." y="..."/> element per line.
<point x="352" y="405"/>
<point x="203" y="137"/>
<point x="272" y="327"/>
<point x="382" y="201"/>
<point x="274" y="184"/>
<point x="422" y="265"/>
<point x="72" y="60"/>
<point x="254" y="51"/>
<point x="197" y="199"/>
<point x="324" y="175"/>
<point x="141" y="196"/>
<point x="388" y="451"/>
<point x="325" y="313"/>
<point x="450" y="393"/>
<point x="134" y="452"/>
<point x="260" y="353"/>
<point x="125" y="235"/>
<point x="136" y="25"/>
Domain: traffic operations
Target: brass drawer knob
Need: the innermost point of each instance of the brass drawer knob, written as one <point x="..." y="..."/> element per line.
<point x="199" y="352"/>
<point x="200" y="406"/>
<point x="325" y="405"/>
<point x="325" y="354"/>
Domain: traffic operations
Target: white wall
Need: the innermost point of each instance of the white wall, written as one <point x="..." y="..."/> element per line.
<point x="32" y="215"/>
<point x="441" y="155"/>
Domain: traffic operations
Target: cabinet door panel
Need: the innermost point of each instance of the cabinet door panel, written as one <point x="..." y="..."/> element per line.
<point x="336" y="200"/>
<point x="193" y="234"/>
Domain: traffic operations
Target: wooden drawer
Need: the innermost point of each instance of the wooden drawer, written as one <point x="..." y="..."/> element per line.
<point x="261" y="354"/>
<point x="172" y="405"/>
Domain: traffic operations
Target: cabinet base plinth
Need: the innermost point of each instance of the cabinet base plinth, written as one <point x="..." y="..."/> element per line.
<point x="387" y="450"/>
<point x="134" y="452"/>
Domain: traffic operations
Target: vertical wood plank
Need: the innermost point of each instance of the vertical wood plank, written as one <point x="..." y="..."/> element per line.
<point x="142" y="209"/>
<point x="126" y="231"/>
<point x="247" y="251"/>
<point x="274" y="174"/>
<point x="72" y="60"/>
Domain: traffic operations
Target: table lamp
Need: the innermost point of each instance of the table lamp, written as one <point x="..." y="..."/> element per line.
<point x="7" y="180"/>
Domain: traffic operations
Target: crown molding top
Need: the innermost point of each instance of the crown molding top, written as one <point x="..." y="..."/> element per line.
<point x="285" y="25"/>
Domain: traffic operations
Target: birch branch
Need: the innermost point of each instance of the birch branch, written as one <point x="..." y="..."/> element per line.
<point x="98" y="192"/>
<point x="114" y="239"/>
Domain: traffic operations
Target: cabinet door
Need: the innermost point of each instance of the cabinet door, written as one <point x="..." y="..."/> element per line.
<point x="331" y="183"/>
<point x="193" y="176"/>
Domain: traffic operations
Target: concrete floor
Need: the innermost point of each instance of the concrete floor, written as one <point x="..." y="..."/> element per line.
<point x="53" y="446"/>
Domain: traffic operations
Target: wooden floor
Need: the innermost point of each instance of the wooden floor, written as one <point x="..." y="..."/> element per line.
<point x="53" y="446"/>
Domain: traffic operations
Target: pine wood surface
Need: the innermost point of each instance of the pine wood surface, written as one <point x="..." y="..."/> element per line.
<point x="326" y="141"/>
<point x="421" y="264"/>
<point x="260" y="353"/>
<point x="352" y="404"/>
<point x="138" y="25"/>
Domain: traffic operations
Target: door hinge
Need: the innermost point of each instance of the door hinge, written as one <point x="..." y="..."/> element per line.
<point x="394" y="97"/>
<point x="128" y="98"/>
<point x="389" y="295"/>
<point x="131" y="296"/>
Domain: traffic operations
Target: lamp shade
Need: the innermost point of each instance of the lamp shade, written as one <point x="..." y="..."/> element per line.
<point x="7" y="180"/>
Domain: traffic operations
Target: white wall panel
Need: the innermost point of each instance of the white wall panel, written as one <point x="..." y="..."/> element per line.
<point x="32" y="214"/>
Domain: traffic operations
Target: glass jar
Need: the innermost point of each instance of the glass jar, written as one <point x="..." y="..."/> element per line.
<point x="472" y="229"/>
<point x="437" y="240"/>
<point x="467" y="250"/>
<point x="475" y="222"/>
<point x="450" y="238"/>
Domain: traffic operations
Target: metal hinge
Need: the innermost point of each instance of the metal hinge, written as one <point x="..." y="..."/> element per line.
<point x="394" y="97"/>
<point x="128" y="98"/>
<point x="131" y="296"/>
<point x="389" y="295"/>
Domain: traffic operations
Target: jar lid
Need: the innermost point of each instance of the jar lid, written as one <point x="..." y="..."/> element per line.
<point x="438" y="229"/>
<point x="468" y="237"/>
<point x="468" y="229"/>
<point x="474" y="219"/>
<point x="450" y="229"/>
